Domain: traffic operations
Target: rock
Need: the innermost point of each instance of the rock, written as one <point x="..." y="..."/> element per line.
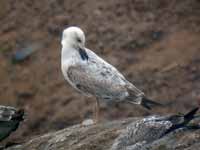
<point x="88" y="122"/>
<point x="101" y="137"/>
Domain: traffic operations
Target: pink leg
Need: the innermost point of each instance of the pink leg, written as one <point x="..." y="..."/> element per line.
<point x="96" y="111"/>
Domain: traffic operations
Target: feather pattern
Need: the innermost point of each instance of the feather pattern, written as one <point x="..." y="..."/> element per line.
<point x="92" y="76"/>
<point x="147" y="130"/>
<point x="96" y="77"/>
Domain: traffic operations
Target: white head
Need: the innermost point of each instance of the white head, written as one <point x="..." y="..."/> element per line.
<point x="73" y="37"/>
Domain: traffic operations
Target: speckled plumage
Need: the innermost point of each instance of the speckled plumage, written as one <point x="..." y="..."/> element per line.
<point x="142" y="132"/>
<point x="91" y="75"/>
<point x="96" y="77"/>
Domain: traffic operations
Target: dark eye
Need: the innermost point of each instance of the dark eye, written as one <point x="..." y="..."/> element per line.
<point x="79" y="40"/>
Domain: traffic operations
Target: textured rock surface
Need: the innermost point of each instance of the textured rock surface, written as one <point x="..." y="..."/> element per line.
<point x="102" y="136"/>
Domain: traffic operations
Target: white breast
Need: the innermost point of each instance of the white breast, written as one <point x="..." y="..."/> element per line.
<point x="70" y="58"/>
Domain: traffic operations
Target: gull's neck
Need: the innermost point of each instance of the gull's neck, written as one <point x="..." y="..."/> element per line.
<point x="69" y="54"/>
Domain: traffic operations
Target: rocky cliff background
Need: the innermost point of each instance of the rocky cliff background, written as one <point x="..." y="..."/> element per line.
<point x="154" y="43"/>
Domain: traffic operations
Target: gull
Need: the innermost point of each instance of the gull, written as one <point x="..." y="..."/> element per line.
<point x="92" y="76"/>
<point x="142" y="133"/>
<point x="10" y="119"/>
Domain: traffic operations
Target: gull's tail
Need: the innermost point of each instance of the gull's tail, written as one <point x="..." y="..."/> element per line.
<point x="190" y="115"/>
<point x="148" y="104"/>
<point x="137" y="97"/>
<point x="182" y="121"/>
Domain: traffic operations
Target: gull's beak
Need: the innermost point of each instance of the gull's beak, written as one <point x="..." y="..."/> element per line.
<point x="83" y="53"/>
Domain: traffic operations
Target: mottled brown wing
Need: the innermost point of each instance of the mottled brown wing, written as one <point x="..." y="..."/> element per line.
<point x="97" y="83"/>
